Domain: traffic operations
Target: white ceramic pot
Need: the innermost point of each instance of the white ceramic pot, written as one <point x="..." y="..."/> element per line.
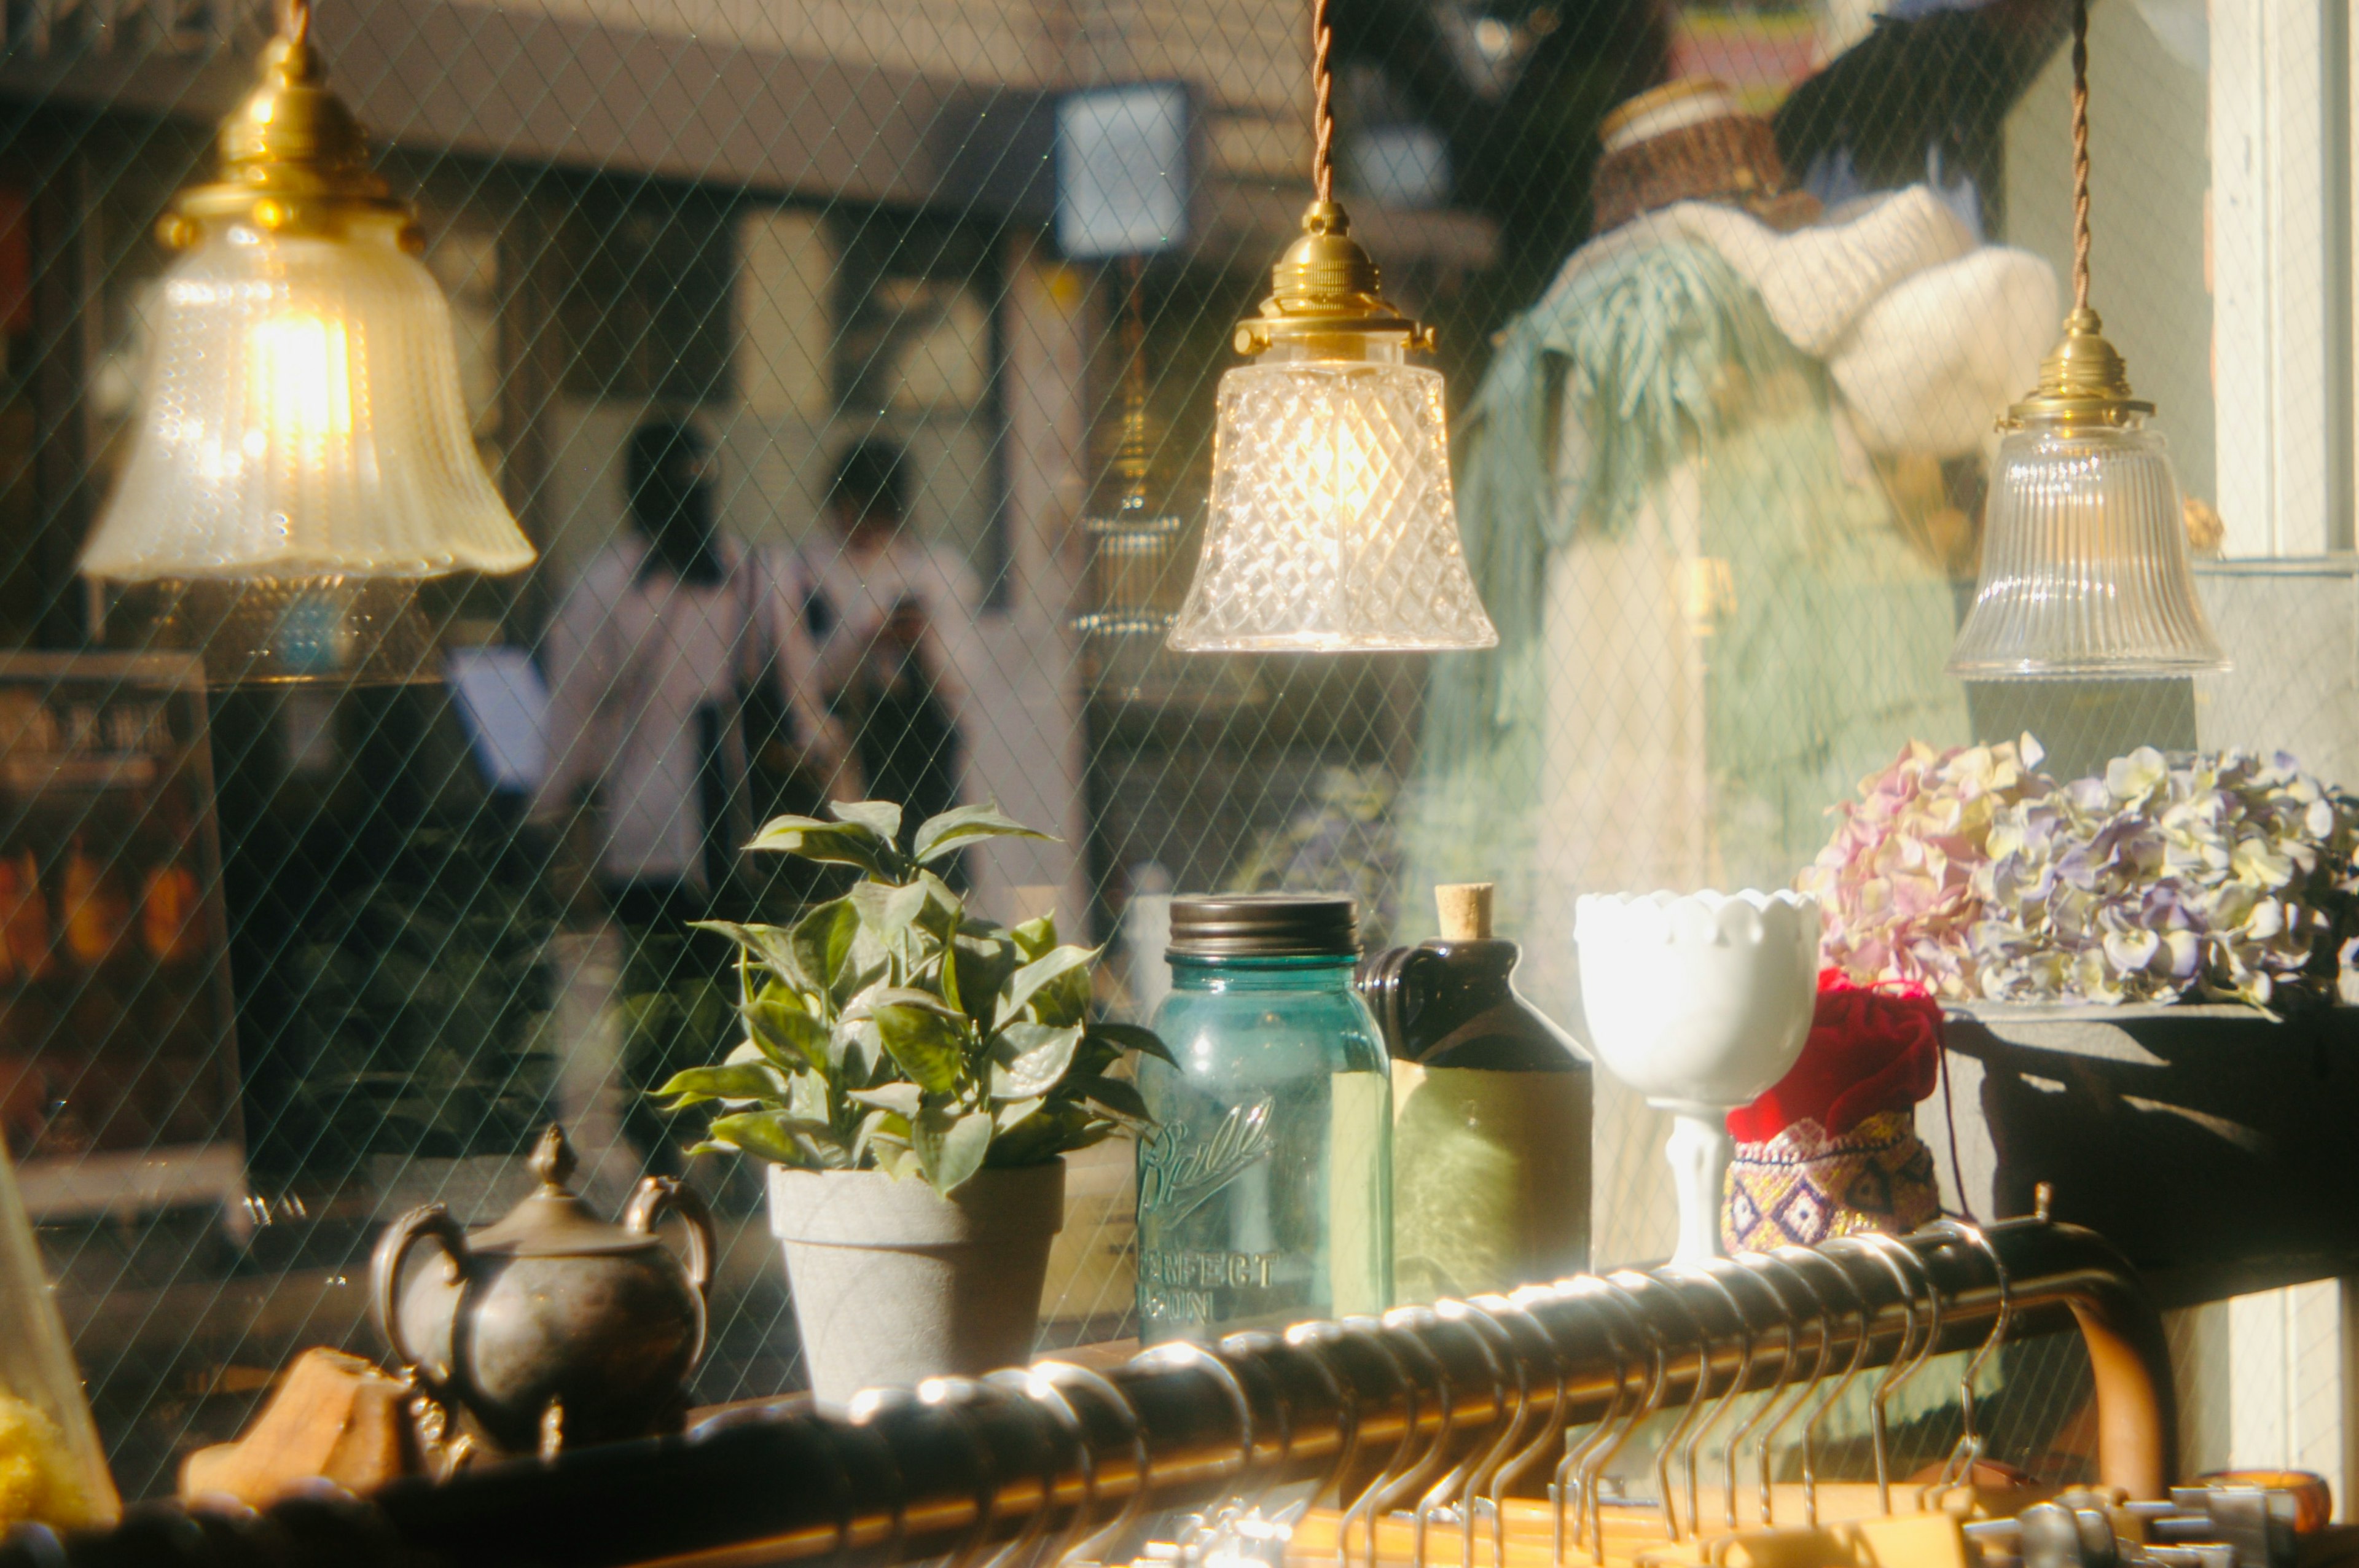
<point x="1700" y="1003"/>
<point x="893" y="1283"/>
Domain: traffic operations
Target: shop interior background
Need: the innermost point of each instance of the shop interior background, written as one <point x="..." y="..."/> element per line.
<point x="794" y="224"/>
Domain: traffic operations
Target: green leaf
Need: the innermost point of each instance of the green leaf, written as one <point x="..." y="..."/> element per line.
<point x="1012" y="1114"/>
<point x="807" y="1101"/>
<point x="741" y="1081"/>
<point x="881" y="818"/>
<point x="831" y="843"/>
<point x="1028" y="1059"/>
<point x="856" y="1051"/>
<point x="1055" y="1129"/>
<point x="984" y="963"/>
<point x="950" y="1146"/>
<point x="766" y="943"/>
<point x="786" y="1032"/>
<point x="1027" y="982"/>
<point x="880" y="1131"/>
<point x="821" y="947"/>
<point x="956" y="828"/>
<point x="947" y="969"/>
<point x="1131" y="1037"/>
<point x="901" y="1098"/>
<point x="922" y="1043"/>
<point x="1117" y="1096"/>
<point x="777" y="1137"/>
<point x="1036" y="937"/>
<point x="943" y="911"/>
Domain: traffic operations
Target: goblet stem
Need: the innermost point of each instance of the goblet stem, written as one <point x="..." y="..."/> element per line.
<point x="1698" y="1150"/>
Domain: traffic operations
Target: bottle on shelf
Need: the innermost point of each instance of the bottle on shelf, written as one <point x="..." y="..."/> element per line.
<point x="1491" y="1114"/>
<point x="1263" y="1188"/>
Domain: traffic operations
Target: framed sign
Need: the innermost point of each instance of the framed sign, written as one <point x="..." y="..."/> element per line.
<point x="1122" y="170"/>
<point x="118" y="1067"/>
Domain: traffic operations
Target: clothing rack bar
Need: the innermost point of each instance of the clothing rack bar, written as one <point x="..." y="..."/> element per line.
<point x="965" y="1463"/>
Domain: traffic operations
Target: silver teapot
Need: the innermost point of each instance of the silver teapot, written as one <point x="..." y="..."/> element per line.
<point x="551" y="1327"/>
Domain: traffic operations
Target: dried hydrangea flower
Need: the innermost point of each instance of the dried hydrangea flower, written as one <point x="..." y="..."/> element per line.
<point x="2224" y="876"/>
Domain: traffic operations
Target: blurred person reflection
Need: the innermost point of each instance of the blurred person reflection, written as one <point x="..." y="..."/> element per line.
<point x="673" y="648"/>
<point x="673" y="643"/>
<point x="893" y="621"/>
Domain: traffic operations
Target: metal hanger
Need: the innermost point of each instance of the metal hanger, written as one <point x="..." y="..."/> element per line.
<point x="1770" y="1418"/>
<point x="1312" y="1340"/>
<point x="958" y="1396"/>
<point x="1751" y="1267"/>
<point x="1181" y="1353"/>
<point x="1692" y="1449"/>
<point x="1514" y="1413"/>
<point x="1606" y="1311"/>
<point x="864" y="1410"/>
<point x="1051" y="1401"/>
<point x="1794" y="1257"/>
<point x="1657" y="1292"/>
<point x="1905" y="1357"/>
<point x="1430" y="1492"/>
<point x="1602" y="1454"/>
<point x="1959" y="1469"/>
<point x="1067" y="1379"/>
<point x="1399" y="1463"/>
<point x="1516" y="1308"/>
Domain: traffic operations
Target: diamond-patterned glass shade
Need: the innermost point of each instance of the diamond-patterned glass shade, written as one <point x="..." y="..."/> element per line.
<point x="2085" y="571"/>
<point x="1332" y="528"/>
<point x="303" y="420"/>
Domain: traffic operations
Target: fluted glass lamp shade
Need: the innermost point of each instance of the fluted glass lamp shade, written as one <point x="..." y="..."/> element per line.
<point x="303" y="457"/>
<point x="303" y="419"/>
<point x="2085" y="573"/>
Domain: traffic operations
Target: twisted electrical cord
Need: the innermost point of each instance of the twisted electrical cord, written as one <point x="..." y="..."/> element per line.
<point x="1322" y="164"/>
<point x="2080" y="154"/>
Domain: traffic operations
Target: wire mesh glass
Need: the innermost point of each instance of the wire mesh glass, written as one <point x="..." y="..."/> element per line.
<point x="1723" y="519"/>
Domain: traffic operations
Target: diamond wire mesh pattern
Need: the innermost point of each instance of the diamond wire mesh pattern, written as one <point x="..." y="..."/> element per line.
<point x="793" y="227"/>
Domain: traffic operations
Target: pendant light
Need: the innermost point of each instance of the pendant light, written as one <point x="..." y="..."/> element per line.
<point x="1126" y="659"/>
<point x="1331" y="528"/>
<point x="2084" y="567"/>
<point x="304" y="457"/>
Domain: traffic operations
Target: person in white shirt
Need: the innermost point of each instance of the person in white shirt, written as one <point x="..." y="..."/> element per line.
<point x="671" y="639"/>
<point x="892" y="620"/>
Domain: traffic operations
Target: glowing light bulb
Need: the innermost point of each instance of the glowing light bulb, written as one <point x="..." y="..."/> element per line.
<point x="300" y="385"/>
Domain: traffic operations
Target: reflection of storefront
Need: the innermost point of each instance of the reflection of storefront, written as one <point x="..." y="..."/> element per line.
<point x="760" y="237"/>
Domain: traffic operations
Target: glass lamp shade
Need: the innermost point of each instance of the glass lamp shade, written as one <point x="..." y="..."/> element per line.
<point x="1332" y="528"/>
<point x="2084" y="570"/>
<point x="303" y="423"/>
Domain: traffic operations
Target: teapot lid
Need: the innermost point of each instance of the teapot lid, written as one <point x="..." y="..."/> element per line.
<point x="553" y="1222"/>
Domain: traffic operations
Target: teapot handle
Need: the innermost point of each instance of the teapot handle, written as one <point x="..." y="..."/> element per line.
<point x="656" y="1193"/>
<point x="429" y="1222"/>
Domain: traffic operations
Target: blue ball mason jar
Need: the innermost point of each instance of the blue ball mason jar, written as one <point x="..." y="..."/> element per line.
<point x="1265" y="1189"/>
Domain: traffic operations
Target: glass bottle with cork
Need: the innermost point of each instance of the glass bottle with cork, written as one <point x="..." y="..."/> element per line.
<point x="1264" y="1189"/>
<point x="1490" y="1113"/>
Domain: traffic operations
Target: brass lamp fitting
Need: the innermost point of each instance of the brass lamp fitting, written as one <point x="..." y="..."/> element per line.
<point x="1325" y="284"/>
<point x="294" y="159"/>
<point x="2083" y="381"/>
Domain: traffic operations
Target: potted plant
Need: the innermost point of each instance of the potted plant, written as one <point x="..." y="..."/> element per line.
<point x="914" y="1074"/>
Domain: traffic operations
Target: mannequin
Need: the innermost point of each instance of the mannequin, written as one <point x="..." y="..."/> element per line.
<point x="1676" y="497"/>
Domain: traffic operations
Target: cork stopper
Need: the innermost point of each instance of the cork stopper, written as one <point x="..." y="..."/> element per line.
<point x="1465" y="909"/>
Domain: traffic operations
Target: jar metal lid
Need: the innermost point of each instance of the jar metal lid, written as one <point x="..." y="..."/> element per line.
<point x="1265" y="925"/>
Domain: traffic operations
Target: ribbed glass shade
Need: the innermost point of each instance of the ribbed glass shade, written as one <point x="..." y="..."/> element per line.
<point x="2085" y="572"/>
<point x="1332" y="528"/>
<point x="303" y="420"/>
